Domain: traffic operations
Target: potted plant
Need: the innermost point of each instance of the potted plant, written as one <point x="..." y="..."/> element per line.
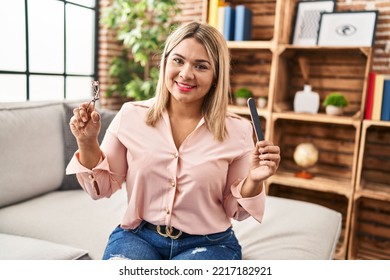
<point x="334" y="103"/>
<point x="142" y="26"/>
<point x="241" y="96"/>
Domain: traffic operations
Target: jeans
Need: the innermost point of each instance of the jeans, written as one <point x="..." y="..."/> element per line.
<point x="142" y="243"/>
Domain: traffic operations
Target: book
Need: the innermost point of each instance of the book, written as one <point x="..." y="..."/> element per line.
<point x="213" y="13"/>
<point x="221" y="17"/>
<point x="228" y="23"/>
<point x="378" y="94"/>
<point x="243" y="24"/>
<point x="385" y="113"/>
<point x="370" y="96"/>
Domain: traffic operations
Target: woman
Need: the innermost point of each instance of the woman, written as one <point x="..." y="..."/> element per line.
<point x="189" y="165"/>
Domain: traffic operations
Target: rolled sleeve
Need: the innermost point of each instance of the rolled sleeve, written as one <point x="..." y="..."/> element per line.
<point x="254" y="206"/>
<point x="94" y="181"/>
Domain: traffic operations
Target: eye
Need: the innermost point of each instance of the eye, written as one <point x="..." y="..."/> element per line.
<point x="178" y="60"/>
<point x="346" y="30"/>
<point x="201" y="67"/>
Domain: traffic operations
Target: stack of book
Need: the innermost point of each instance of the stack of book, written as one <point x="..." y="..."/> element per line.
<point x="378" y="97"/>
<point x="235" y="23"/>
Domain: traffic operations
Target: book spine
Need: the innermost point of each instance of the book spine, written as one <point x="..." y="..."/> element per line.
<point x="370" y="95"/>
<point x="228" y="26"/>
<point x="243" y="24"/>
<point x="385" y="114"/>
<point x="213" y="13"/>
<point x="378" y="95"/>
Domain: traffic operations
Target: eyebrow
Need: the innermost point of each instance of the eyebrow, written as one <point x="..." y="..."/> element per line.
<point x="196" y="60"/>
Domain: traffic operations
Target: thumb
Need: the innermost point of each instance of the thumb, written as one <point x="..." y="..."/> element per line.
<point x="95" y="117"/>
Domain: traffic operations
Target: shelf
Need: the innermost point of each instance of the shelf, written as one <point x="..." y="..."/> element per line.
<point x="320" y="118"/>
<point x="373" y="178"/>
<point x="370" y="230"/>
<point x="318" y="183"/>
<point x="251" y="45"/>
<point x="327" y="70"/>
<point x="242" y="110"/>
<point x="337" y="145"/>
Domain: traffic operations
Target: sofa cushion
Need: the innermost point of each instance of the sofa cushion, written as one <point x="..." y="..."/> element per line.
<point x="15" y="247"/>
<point x="291" y="230"/>
<point x="32" y="150"/>
<point x="70" y="181"/>
<point x="70" y="218"/>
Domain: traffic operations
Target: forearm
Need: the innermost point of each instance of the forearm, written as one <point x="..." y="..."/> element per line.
<point x="251" y="188"/>
<point x="89" y="153"/>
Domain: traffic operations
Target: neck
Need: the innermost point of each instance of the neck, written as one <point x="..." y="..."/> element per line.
<point x="183" y="110"/>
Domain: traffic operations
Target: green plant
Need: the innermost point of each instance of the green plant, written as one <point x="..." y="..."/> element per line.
<point x="335" y="99"/>
<point x="243" y="93"/>
<point x="142" y="26"/>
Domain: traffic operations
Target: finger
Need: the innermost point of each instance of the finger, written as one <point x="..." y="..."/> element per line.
<point x="95" y="116"/>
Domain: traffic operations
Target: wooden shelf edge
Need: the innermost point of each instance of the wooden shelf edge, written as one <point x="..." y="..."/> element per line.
<point x="315" y="184"/>
<point x="242" y="110"/>
<point x="320" y="117"/>
<point x="266" y="45"/>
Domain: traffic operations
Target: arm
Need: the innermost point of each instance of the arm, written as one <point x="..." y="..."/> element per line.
<point x="96" y="172"/>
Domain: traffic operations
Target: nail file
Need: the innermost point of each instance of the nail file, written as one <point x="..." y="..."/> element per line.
<point x="255" y="119"/>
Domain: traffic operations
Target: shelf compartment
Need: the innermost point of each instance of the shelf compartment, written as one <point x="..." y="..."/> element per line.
<point x="251" y="69"/>
<point x="263" y="17"/>
<point x="329" y="70"/>
<point x="338" y="152"/>
<point x="333" y="201"/>
<point x="373" y="177"/>
<point x="370" y="230"/>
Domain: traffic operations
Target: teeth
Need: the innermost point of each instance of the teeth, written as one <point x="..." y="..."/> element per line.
<point x="185" y="86"/>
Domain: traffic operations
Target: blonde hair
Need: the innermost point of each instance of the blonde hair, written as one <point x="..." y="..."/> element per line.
<point x="214" y="107"/>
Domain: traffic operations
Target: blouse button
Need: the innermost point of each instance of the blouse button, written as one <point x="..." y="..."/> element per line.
<point x="168" y="211"/>
<point x="90" y="176"/>
<point x="176" y="155"/>
<point x="173" y="184"/>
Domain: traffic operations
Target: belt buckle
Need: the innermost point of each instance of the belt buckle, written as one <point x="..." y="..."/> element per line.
<point x="169" y="232"/>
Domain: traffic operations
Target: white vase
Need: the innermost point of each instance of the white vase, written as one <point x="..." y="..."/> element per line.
<point x="306" y="101"/>
<point x="334" y="110"/>
<point x="261" y="102"/>
<point x="241" y="101"/>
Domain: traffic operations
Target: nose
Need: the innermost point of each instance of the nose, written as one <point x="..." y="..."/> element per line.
<point x="186" y="72"/>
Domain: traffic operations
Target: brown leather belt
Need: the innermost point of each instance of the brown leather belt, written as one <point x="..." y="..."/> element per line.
<point x="167" y="231"/>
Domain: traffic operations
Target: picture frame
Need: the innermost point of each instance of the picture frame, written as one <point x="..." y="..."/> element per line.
<point x="352" y="28"/>
<point x="307" y="20"/>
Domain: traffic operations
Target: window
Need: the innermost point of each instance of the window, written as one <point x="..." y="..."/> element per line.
<point x="48" y="49"/>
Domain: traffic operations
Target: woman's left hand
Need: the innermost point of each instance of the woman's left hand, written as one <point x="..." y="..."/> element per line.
<point x="265" y="161"/>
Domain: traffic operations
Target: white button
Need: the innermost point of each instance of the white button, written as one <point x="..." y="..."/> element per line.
<point x="173" y="184"/>
<point x="176" y="155"/>
<point x="90" y="176"/>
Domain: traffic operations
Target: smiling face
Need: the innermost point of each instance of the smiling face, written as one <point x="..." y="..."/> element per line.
<point x="189" y="72"/>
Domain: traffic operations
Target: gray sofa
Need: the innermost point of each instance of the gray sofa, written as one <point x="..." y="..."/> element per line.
<point x="44" y="214"/>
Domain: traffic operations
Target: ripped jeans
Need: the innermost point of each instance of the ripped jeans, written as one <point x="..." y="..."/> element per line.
<point x="145" y="244"/>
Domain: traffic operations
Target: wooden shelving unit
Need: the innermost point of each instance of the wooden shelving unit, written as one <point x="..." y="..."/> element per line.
<point x="370" y="226"/>
<point x="352" y="173"/>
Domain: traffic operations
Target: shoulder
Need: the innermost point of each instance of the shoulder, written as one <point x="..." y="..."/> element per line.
<point x="236" y="122"/>
<point x="138" y="105"/>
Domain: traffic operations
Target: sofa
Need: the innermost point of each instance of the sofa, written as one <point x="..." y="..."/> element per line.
<point x="45" y="215"/>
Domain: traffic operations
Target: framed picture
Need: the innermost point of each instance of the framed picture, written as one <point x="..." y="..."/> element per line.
<point x="307" y="19"/>
<point x="355" y="28"/>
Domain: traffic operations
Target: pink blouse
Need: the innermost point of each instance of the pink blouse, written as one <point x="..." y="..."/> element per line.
<point x="195" y="188"/>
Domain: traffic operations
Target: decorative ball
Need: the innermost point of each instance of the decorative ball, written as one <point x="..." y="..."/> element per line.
<point x="306" y="155"/>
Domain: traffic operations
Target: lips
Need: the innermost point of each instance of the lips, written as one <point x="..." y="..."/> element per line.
<point x="184" y="87"/>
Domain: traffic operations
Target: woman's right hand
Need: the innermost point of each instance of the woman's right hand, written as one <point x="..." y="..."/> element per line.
<point x="85" y="123"/>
